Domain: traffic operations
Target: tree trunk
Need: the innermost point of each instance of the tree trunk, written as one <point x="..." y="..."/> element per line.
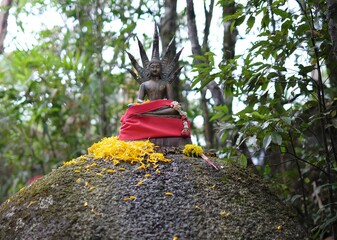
<point x="5" y="5"/>
<point x="213" y="87"/>
<point x="331" y="61"/>
<point x="332" y="21"/>
<point x="229" y="41"/>
<point x="168" y="28"/>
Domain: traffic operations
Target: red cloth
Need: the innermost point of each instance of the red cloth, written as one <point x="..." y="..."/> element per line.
<point x="136" y="127"/>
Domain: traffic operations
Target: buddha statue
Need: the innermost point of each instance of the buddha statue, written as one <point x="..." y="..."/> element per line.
<point x="156" y="116"/>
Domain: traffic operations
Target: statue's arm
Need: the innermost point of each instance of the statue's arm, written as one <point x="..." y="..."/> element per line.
<point x="141" y="93"/>
<point x="169" y="91"/>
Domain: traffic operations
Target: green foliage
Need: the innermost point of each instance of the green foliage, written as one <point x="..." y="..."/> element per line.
<point x="286" y="115"/>
<point x="62" y="95"/>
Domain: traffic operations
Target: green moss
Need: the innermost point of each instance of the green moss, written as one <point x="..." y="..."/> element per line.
<point x="230" y="203"/>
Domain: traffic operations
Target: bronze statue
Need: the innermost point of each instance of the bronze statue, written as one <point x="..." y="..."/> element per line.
<point x="155" y="88"/>
<point x="161" y="120"/>
<point x="156" y="76"/>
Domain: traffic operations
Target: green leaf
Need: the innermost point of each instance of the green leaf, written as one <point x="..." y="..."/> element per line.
<point x="258" y="115"/>
<point x="234" y="16"/>
<point x="250" y="23"/>
<point x="280" y="12"/>
<point x="266" y="141"/>
<point x="272" y="75"/>
<point x="242" y="161"/>
<point x="286" y="120"/>
<point x="276" y="138"/>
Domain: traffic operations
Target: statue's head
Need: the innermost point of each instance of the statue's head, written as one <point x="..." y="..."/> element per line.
<point x="155" y="67"/>
<point x="166" y="68"/>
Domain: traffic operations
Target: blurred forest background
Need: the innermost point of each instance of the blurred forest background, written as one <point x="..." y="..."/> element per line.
<point x="262" y="94"/>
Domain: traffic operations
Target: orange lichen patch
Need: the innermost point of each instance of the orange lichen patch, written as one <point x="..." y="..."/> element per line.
<point x="192" y="150"/>
<point x="121" y="169"/>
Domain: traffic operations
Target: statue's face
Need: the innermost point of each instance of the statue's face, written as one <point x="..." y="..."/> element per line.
<point x="155" y="68"/>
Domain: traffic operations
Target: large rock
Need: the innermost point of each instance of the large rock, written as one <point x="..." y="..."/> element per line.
<point x="184" y="199"/>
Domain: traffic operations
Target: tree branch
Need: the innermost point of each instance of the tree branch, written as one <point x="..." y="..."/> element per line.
<point x="5" y="6"/>
<point x="212" y="86"/>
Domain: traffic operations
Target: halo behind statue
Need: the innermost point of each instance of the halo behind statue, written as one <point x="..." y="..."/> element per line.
<point x="169" y="62"/>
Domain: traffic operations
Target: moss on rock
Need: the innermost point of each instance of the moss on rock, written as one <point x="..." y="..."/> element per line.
<point x="183" y="199"/>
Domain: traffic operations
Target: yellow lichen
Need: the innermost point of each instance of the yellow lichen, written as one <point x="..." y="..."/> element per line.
<point x="192" y="150"/>
<point x="169" y="194"/>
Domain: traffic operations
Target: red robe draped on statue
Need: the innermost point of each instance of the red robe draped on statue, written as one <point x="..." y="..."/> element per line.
<point x="136" y="126"/>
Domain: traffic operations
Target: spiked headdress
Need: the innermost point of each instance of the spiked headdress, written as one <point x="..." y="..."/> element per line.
<point x="169" y="62"/>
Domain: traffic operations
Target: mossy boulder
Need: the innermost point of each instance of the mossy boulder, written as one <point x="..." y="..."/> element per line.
<point x="183" y="199"/>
